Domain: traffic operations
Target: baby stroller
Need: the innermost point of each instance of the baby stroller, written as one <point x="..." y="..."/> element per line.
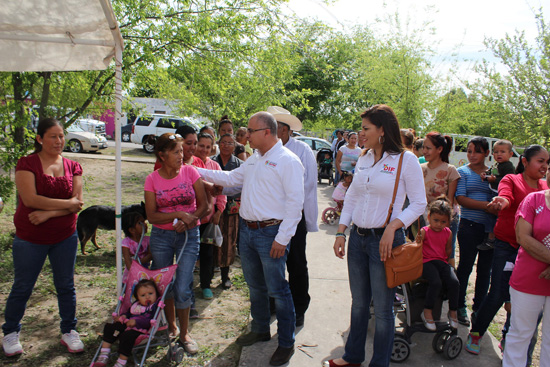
<point x="332" y="214"/>
<point x="408" y="305"/>
<point x="324" y="162"/>
<point x="158" y="334"/>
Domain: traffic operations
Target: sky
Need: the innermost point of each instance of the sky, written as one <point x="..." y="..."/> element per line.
<point x="461" y="26"/>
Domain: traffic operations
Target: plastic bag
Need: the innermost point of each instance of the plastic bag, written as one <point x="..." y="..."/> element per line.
<point x="212" y="235"/>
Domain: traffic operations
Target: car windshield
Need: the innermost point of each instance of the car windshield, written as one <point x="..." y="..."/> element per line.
<point x="75" y="128"/>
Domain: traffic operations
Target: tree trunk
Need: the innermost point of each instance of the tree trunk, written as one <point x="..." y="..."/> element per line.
<point x="46" y="76"/>
<point x="18" y="128"/>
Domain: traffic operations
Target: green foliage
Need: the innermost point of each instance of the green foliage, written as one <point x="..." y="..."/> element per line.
<point x="519" y="99"/>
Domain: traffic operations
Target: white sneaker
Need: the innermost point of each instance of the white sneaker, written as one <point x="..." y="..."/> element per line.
<point x="72" y="342"/>
<point x="11" y="344"/>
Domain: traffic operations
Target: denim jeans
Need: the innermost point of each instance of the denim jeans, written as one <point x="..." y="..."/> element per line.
<point x="265" y="277"/>
<point x="28" y="259"/>
<point x="471" y="234"/>
<point x="500" y="289"/>
<point x="367" y="281"/>
<point x="454" y="231"/>
<point x="165" y="247"/>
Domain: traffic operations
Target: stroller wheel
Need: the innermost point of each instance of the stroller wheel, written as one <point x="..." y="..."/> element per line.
<point x="439" y="340"/>
<point x="177" y="354"/>
<point x="330" y="216"/>
<point x="453" y="347"/>
<point x="400" y="351"/>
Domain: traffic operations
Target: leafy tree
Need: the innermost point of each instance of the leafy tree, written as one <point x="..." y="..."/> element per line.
<point x="520" y="97"/>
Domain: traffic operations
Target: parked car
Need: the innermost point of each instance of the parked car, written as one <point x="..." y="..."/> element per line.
<point x="315" y="144"/>
<point x="94" y="126"/>
<point x="156" y="125"/>
<point x="77" y="140"/>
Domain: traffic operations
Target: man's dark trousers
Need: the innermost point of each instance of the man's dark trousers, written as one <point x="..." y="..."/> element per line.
<point x="296" y="264"/>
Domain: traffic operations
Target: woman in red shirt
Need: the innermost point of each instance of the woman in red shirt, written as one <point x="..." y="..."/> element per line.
<point x="511" y="191"/>
<point x="50" y="195"/>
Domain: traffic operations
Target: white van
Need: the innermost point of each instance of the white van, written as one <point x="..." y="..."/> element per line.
<point x="458" y="157"/>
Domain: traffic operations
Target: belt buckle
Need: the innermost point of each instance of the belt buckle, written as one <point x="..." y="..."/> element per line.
<point x="357" y="229"/>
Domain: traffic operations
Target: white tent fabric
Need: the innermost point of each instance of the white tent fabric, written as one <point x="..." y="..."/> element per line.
<point x="56" y="35"/>
<point x="66" y="35"/>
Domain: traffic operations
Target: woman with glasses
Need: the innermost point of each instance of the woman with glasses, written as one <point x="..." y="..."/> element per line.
<point x="226" y="127"/>
<point x="229" y="221"/>
<point x="175" y="200"/>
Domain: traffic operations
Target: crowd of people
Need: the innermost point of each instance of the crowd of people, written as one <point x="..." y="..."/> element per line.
<point x="260" y="187"/>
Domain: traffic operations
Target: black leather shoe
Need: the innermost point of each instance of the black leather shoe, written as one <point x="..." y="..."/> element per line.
<point x="251" y="338"/>
<point x="300" y="320"/>
<point x="281" y="356"/>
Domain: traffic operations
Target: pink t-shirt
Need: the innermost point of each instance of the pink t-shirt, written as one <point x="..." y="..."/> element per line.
<point x="434" y="244"/>
<point x="219" y="201"/>
<point x="525" y="277"/>
<point x="174" y="195"/>
<point x="132" y="246"/>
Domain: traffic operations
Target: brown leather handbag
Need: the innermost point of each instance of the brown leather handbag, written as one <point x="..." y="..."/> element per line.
<point x="405" y="263"/>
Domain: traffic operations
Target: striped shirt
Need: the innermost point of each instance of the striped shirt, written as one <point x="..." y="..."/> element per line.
<point x="471" y="186"/>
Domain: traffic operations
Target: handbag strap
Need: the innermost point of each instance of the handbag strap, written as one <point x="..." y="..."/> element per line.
<point x="397" y="175"/>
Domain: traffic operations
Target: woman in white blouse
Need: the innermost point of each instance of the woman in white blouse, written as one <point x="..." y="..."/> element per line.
<point x="366" y="205"/>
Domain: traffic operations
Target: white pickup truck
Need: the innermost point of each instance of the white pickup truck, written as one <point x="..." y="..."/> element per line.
<point x="156" y="125"/>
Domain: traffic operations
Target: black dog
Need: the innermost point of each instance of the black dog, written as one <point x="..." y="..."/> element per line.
<point x="100" y="216"/>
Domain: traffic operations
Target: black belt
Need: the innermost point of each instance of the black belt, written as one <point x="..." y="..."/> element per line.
<point x="262" y="224"/>
<point x="369" y="231"/>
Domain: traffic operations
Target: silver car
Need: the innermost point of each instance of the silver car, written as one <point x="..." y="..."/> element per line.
<point x="77" y="140"/>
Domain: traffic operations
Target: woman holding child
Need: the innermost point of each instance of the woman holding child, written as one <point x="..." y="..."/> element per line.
<point x="50" y="194"/>
<point x="513" y="188"/>
<point x="175" y="200"/>
<point x="367" y="204"/>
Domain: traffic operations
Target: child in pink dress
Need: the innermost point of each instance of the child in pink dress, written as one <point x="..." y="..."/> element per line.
<point x="132" y="225"/>
<point x="436" y="248"/>
<point x="339" y="192"/>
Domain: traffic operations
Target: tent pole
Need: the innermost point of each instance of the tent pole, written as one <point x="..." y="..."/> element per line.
<point x="118" y="165"/>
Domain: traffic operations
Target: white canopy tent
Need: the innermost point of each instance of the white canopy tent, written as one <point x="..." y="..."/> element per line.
<point x="66" y="35"/>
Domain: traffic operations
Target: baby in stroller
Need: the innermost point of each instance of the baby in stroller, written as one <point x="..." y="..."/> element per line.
<point x="324" y="159"/>
<point x="128" y="327"/>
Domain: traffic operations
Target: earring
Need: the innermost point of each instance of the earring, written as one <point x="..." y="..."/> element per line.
<point x="381" y="139"/>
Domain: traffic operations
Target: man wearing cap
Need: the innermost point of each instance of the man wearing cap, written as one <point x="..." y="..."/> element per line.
<point x="296" y="261"/>
<point x="272" y="199"/>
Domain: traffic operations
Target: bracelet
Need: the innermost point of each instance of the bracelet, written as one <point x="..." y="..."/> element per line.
<point x="340" y="234"/>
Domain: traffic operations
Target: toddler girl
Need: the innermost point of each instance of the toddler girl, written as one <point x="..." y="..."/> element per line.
<point x="128" y="327"/>
<point x="132" y="224"/>
<point x="340" y="190"/>
<point x="436" y="249"/>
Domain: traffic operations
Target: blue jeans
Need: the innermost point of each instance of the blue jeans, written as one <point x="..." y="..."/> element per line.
<point x="165" y="247"/>
<point x="454" y="232"/>
<point x="265" y="277"/>
<point x="367" y="281"/>
<point x="28" y="259"/>
<point x="471" y="234"/>
<point x="500" y="288"/>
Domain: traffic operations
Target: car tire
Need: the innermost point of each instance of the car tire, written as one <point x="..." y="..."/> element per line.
<point x="126" y="136"/>
<point x="75" y="146"/>
<point x="149" y="148"/>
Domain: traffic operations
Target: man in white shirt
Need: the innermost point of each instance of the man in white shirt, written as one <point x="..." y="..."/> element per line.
<point x="272" y="200"/>
<point x="296" y="261"/>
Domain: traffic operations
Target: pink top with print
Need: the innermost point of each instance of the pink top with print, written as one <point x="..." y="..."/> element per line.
<point x="525" y="277"/>
<point x="174" y="195"/>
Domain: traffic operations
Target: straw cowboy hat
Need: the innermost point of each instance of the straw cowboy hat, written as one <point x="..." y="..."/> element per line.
<point x="285" y="117"/>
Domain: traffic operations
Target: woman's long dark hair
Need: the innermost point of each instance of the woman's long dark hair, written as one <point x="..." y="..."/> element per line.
<point x="43" y="126"/>
<point x="528" y="153"/>
<point x="382" y="115"/>
<point x="444" y="141"/>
